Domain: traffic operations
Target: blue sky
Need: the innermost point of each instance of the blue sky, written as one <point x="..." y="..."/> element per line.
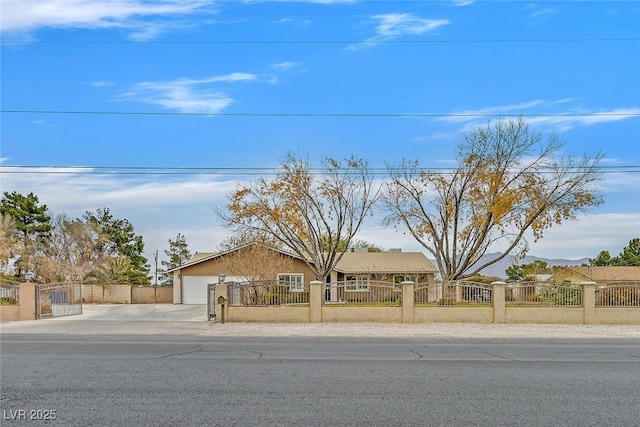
<point x="123" y="104"/>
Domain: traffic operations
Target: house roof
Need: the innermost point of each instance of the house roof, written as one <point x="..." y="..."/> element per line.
<point x="385" y="262"/>
<point x="351" y="262"/>
<point x="606" y="274"/>
<point x="200" y="257"/>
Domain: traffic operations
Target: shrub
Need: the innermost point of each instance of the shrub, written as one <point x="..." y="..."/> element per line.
<point x="8" y="301"/>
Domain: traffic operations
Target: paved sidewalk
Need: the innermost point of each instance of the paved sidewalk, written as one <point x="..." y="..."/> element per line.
<point x="176" y="320"/>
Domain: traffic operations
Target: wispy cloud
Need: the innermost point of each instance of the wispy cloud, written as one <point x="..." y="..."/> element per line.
<point x="155" y="206"/>
<point x="74" y="190"/>
<point x="186" y="95"/>
<point x="287" y="65"/>
<point x="302" y="1"/>
<point x="25" y="16"/>
<point x="462" y="2"/>
<point x="393" y="25"/>
<point x="99" y="83"/>
<point x="561" y="115"/>
<point x="538" y="14"/>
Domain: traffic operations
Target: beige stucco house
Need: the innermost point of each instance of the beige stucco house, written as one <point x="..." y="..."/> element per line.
<point x="358" y="267"/>
<point x="600" y="275"/>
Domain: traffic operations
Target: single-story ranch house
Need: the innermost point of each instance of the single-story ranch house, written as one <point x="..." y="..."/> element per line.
<point x="190" y="280"/>
<point x="600" y="275"/>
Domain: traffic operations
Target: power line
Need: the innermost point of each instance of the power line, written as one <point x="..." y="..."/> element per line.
<point x="364" y="115"/>
<point x="254" y="171"/>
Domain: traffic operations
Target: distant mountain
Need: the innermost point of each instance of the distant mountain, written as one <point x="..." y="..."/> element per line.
<point x="498" y="269"/>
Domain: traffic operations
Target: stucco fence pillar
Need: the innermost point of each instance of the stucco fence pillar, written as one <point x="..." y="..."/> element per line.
<point x="222" y="290"/>
<point x="589" y="302"/>
<point x="408" y="301"/>
<point x="498" y="299"/>
<point x="26" y="308"/>
<point x="315" y="301"/>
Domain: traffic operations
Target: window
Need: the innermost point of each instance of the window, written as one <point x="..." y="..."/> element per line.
<point x="295" y="282"/>
<point x="357" y="283"/>
<point x="399" y="278"/>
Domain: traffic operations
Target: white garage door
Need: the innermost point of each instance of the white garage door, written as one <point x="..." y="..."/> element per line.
<point x="194" y="289"/>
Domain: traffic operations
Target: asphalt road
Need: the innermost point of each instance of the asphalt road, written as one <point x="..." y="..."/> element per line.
<point x="115" y="380"/>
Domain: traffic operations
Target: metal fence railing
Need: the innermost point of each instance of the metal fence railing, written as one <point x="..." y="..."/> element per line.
<point x="58" y="299"/>
<point x="266" y="293"/>
<point x="453" y="293"/>
<point x="363" y="292"/>
<point x="543" y="294"/>
<point x="618" y="295"/>
<point x="9" y="293"/>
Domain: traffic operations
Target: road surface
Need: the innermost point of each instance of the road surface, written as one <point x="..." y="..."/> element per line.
<point x="161" y="380"/>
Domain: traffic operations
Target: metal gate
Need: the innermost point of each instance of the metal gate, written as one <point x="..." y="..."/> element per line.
<point x="58" y="299"/>
<point x="211" y="301"/>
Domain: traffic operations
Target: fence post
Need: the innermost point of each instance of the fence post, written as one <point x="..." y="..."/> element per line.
<point x="28" y="301"/>
<point x="315" y="301"/>
<point x="222" y="290"/>
<point x="498" y="298"/>
<point x="408" y="298"/>
<point x="589" y="303"/>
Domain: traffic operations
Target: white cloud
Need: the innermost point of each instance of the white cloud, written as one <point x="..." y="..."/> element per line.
<point x="398" y="24"/>
<point x="287" y="65"/>
<point x="539" y="14"/>
<point x="186" y="95"/>
<point x="73" y="189"/>
<point x="588" y="236"/>
<point x="158" y="206"/>
<point x="24" y="16"/>
<point x="462" y="2"/>
<point x="303" y="1"/>
<point x="100" y="83"/>
<point x="161" y="206"/>
<point x="560" y="115"/>
<point x="392" y="25"/>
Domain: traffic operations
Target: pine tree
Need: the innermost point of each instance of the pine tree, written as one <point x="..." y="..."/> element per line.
<point x="178" y="253"/>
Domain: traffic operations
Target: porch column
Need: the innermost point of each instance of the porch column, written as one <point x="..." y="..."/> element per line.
<point x="316" y="295"/>
<point x="498" y="299"/>
<point x="589" y="303"/>
<point x="334" y="286"/>
<point x="408" y="298"/>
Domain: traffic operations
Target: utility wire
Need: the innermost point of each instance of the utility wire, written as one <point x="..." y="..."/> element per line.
<point x="372" y="115"/>
<point x="257" y="171"/>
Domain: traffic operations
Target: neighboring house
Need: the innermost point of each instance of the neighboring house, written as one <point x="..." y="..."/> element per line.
<point x="358" y="268"/>
<point x="600" y="275"/>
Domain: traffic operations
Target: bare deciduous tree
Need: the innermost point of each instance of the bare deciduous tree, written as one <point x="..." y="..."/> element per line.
<point x="509" y="180"/>
<point x="256" y="261"/>
<point x="9" y="242"/>
<point x="75" y="248"/>
<point x="310" y="212"/>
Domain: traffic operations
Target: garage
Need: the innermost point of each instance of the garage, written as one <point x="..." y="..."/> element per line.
<point x="194" y="288"/>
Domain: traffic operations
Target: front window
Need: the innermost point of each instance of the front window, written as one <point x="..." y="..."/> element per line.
<point x="295" y="282"/>
<point x="399" y="278"/>
<point x="357" y="283"/>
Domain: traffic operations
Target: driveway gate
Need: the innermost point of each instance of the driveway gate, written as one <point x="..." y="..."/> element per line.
<point x="58" y="299"/>
<point x="211" y="301"/>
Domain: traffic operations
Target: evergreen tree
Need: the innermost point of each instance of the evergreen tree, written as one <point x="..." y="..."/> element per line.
<point x="178" y="253"/>
<point x="121" y="239"/>
<point x="31" y="218"/>
<point x="33" y="228"/>
<point x="630" y="255"/>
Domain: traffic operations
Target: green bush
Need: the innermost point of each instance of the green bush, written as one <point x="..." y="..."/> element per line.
<point x="8" y="301"/>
